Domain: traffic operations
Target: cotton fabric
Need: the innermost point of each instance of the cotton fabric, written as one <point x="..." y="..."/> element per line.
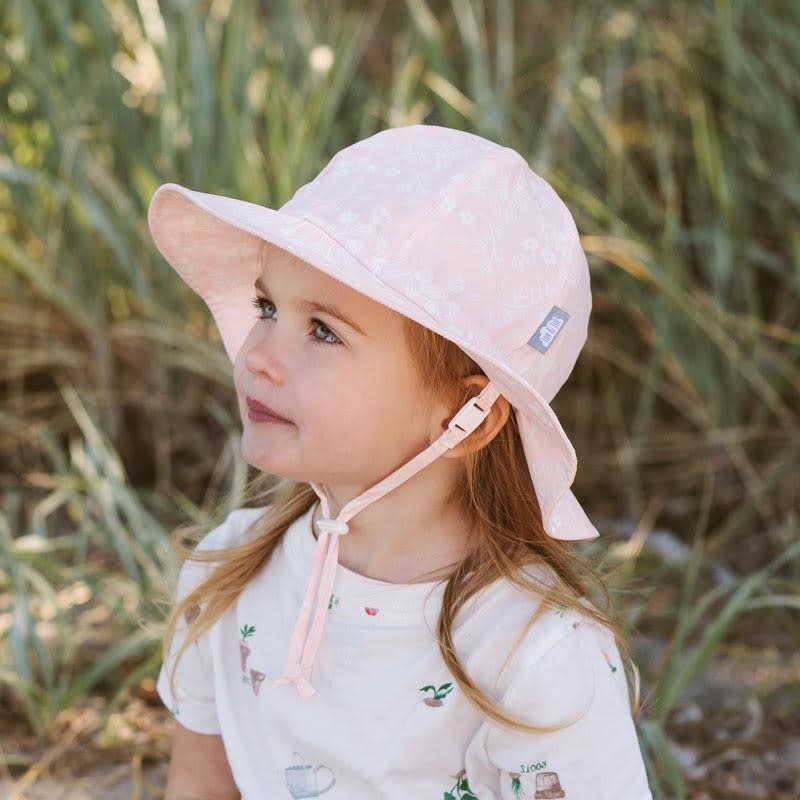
<point x="389" y="720"/>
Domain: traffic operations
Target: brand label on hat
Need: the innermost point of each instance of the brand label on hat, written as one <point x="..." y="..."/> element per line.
<point x="551" y="326"/>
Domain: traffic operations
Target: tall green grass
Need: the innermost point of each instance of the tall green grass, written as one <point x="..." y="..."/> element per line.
<point x="669" y="129"/>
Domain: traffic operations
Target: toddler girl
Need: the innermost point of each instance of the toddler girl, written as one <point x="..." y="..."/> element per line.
<point x="403" y="613"/>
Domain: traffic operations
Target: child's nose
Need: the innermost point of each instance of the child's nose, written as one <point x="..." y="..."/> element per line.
<point x="263" y="357"/>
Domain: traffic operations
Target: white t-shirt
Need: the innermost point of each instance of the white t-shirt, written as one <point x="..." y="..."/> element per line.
<point x="388" y="720"/>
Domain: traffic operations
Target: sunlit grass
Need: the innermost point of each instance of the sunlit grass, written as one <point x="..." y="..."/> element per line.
<point x="670" y="131"/>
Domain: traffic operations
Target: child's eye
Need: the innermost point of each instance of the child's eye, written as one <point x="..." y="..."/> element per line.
<point x="328" y="337"/>
<point x="260" y="302"/>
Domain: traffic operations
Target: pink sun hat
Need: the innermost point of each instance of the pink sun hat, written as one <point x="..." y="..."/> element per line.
<point x="442" y="226"/>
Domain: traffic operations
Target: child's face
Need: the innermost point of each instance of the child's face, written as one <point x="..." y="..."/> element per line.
<point x="355" y="403"/>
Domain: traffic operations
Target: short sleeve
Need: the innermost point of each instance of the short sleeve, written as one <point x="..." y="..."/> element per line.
<point x="577" y="683"/>
<point x="192" y="703"/>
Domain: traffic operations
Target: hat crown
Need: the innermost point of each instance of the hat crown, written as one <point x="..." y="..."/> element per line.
<point x="466" y="231"/>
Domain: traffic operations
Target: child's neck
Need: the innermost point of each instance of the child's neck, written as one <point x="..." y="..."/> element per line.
<point x="398" y="539"/>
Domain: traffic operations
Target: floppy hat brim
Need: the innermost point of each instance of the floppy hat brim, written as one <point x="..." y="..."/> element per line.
<point x="213" y="243"/>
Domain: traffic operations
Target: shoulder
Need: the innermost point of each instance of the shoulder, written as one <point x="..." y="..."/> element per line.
<point x="547" y="645"/>
<point x="568" y="662"/>
<point x="568" y="648"/>
<point x="234" y="530"/>
<point x="567" y="681"/>
<point x="522" y="608"/>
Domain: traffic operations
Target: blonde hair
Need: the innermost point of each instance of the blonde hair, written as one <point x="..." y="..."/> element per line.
<point x="495" y="491"/>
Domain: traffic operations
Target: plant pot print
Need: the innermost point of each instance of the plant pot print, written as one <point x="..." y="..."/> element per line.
<point x="548" y="787"/>
<point x="461" y="790"/>
<point x="438" y="694"/>
<point x="244" y="649"/>
<point x="371" y="611"/>
<point x="256" y="679"/>
<point x="302" y="779"/>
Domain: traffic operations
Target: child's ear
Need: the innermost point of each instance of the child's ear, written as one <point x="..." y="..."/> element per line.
<point x="488" y="429"/>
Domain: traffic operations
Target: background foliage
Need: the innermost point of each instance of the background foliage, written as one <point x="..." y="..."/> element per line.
<point x="671" y="132"/>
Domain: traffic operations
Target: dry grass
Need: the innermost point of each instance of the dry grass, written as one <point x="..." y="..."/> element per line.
<point x="669" y="129"/>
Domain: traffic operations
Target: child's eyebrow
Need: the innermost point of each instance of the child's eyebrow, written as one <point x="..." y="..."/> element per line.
<point x="325" y="308"/>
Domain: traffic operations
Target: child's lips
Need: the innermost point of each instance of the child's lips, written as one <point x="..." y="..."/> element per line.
<point x="258" y="412"/>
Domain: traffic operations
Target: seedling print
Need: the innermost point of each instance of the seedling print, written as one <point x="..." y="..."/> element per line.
<point x="244" y="649"/>
<point x="516" y="785"/>
<point x="461" y="790"/>
<point x="334" y="601"/>
<point x="438" y="694"/>
<point x="608" y="661"/>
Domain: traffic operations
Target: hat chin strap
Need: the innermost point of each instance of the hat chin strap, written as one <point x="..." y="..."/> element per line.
<point x="302" y="650"/>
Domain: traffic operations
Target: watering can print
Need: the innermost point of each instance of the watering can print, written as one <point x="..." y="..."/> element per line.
<point x="302" y="779"/>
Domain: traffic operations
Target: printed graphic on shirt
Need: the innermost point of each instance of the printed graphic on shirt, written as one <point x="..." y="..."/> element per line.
<point x="371" y="611"/>
<point x="461" y="790"/>
<point x="334" y="601"/>
<point x="246" y="632"/>
<point x="561" y="612"/>
<point x="304" y="780"/>
<point x="191" y="614"/>
<point x="548" y="787"/>
<point x="536" y="766"/>
<point x="516" y="785"/>
<point x="254" y="677"/>
<point x="608" y="661"/>
<point x="547" y="784"/>
<point x="438" y="694"/>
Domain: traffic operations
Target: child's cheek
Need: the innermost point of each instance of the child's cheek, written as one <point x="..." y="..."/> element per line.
<point x="238" y="381"/>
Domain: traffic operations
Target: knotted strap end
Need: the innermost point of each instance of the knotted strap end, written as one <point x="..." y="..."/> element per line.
<point x="299" y="676"/>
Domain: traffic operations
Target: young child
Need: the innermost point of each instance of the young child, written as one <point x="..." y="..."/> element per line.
<point x="403" y="613"/>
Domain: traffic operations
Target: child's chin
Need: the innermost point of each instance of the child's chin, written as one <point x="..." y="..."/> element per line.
<point x="257" y="457"/>
<point x="268" y="462"/>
